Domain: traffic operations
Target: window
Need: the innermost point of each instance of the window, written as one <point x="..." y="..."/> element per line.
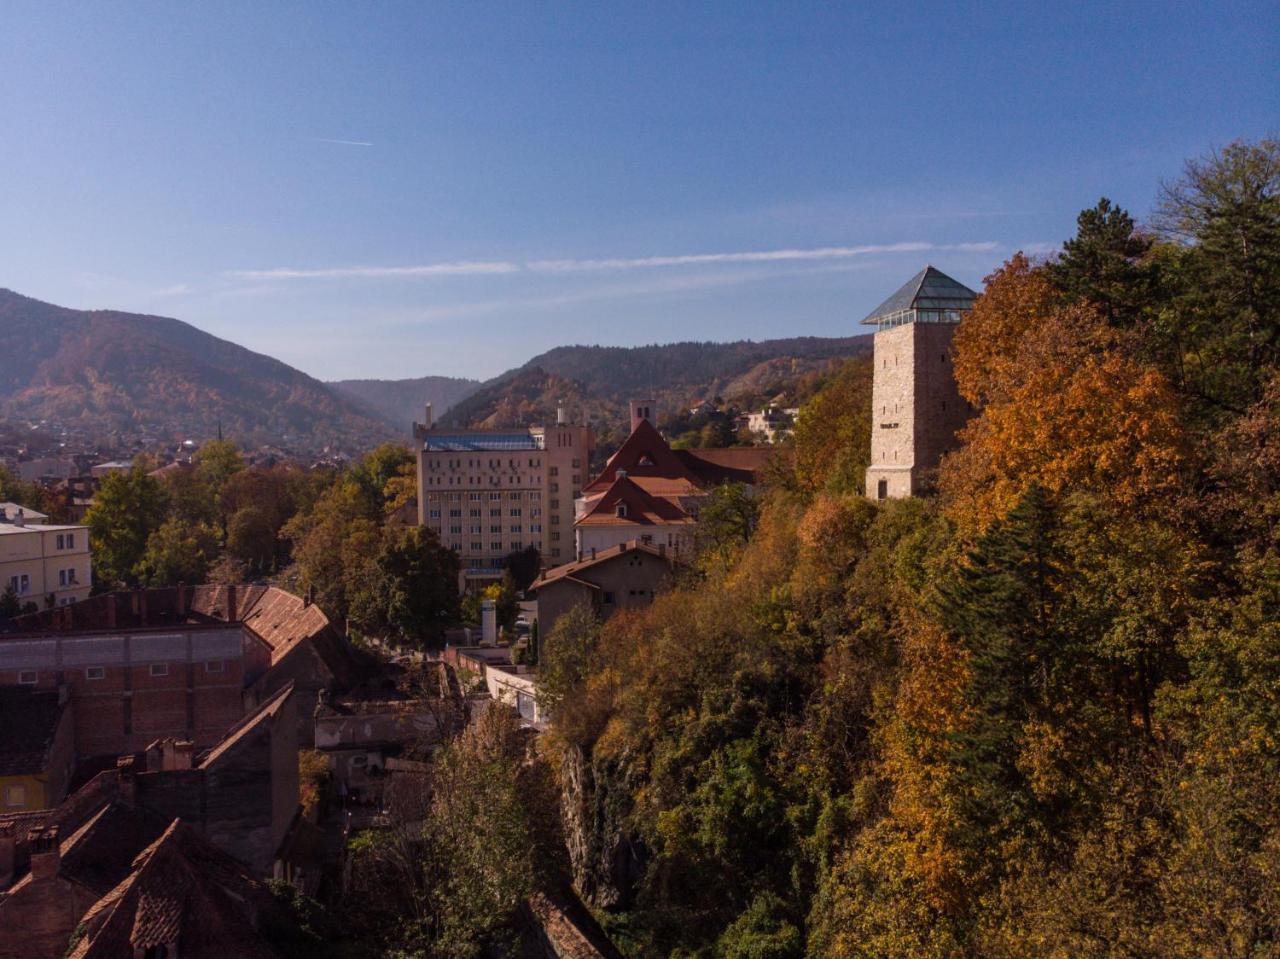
<point x="159" y="669"/>
<point x="21" y="583"/>
<point x="62" y="541"/>
<point x="577" y="479"/>
<point x="882" y="489"/>
<point x="94" y="672"/>
<point x="495" y="529"/>
<point x="15" y="797"/>
<point x="496" y="546"/>
<point x="535" y="512"/>
<point x="577" y="463"/>
<point x="28" y="677"/>
<point x="494" y="513"/>
<point x="555" y="520"/>
<point x="515" y="528"/>
<point x="556" y="551"/>
<point x="535" y="527"/>
<point x="455" y="530"/>
<point x="555" y="535"/>
<point x="455" y="513"/>
<point x="475" y="513"/>
<point x="555" y="504"/>
<point x="621" y="510"/>
<point x="553" y="471"/>
<point x="476" y="496"/>
<point x="477" y="530"/>
<point x="494" y="496"/>
<point x="434" y="514"/>
<point x="515" y="511"/>
<point x="476" y="547"/>
<point x="555" y="487"/>
<point x="214" y="666"/>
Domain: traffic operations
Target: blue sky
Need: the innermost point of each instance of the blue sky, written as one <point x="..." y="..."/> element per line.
<point x="399" y="190"/>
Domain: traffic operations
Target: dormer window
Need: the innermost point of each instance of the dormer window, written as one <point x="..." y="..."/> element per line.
<point x="645" y="460"/>
<point x="620" y="510"/>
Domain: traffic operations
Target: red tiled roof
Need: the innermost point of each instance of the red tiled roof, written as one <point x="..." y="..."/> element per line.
<point x="181" y="890"/>
<point x="643" y="508"/>
<point x="569" y="570"/>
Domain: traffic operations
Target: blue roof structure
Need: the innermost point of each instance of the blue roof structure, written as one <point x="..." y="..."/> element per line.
<point x="930" y="291"/>
<point x="479" y="442"/>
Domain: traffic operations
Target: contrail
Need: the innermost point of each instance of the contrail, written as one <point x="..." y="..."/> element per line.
<point x="349" y="143"/>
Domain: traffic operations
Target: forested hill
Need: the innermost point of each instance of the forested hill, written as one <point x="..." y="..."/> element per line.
<point x="596" y="382"/>
<point x="401" y="401"/>
<point x="103" y="371"/>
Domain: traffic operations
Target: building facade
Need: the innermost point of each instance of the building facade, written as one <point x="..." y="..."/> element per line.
<point x="916" y="408"/>
<point x="627" y="576"/>
<point x="41" y="561"/>
<point x="490" y="493"/>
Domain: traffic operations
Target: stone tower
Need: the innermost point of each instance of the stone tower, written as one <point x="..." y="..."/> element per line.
<point x="916" y="408"/>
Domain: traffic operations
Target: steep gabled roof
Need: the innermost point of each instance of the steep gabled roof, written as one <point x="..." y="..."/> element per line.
<point x="930" y="289"/>
<point x="643" y="507"/>
<point x="644" y="453"/>
<point x="181" y="890"/>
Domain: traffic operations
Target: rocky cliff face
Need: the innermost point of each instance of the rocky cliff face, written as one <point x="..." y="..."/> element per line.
<point x="607" y="859"/>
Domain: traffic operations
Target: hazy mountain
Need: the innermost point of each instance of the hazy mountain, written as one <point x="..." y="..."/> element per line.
<point x="102" y="371"/>
<point x="595" y="383"/>
<point x="401" y="401"/>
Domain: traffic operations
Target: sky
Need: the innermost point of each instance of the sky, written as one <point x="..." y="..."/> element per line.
<point x="396" y="190"/>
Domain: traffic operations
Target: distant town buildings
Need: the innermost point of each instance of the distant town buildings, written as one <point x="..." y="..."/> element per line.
<point x="772" y="424"/>
<point x="651" y="493"/>
<point x="491" y="493"/>
<point x="916" y="408"/>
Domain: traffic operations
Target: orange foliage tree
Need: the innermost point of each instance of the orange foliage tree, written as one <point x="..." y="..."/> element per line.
<point x="1064" y="405"/>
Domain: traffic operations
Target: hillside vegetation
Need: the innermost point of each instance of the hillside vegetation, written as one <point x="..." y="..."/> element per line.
<point x="401" y="402"/>
<point x="103" y="371"/>
<point x="595" y="383"/>
<point x="1032" y="714"/>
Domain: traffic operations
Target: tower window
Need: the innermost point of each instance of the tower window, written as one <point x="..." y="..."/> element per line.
<point x="882" y="489"/>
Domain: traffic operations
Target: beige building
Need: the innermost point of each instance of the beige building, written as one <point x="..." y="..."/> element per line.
<point x="40" y="560"/>
<point x="490" y="493"/>
<point x="916" y="408"/>
<point x="625" y="576"/>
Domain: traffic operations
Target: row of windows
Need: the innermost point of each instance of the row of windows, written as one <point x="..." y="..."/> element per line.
<point x="493" y="513"/>
<point x="66" y="540"/>
<point x="493" y="462"/>
<point x="512" y="480"/>
<point x="29" y="677"/>
<point x="494" y="497"/>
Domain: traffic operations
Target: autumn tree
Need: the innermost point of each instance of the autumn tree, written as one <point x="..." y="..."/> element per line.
<point x="128" y="507"/>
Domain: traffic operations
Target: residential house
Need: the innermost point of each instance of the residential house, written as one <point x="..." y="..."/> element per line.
<point x="44" y="564"/>
<point x="37" y="747"/>
<point x="625" y="576"/>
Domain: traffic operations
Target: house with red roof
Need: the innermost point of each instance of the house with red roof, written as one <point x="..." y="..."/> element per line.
<point x="650" y="493"/>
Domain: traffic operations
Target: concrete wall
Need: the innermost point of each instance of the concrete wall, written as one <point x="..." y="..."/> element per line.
<point x="678" y="539"/>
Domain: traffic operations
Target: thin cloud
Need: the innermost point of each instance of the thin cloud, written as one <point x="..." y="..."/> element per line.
<point x="345" y="143"/>
<point x="461" y="268"/>
<point x="489" y="268"/>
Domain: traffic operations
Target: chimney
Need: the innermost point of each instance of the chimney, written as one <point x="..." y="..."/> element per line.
<point x="126" y="769"/>
<point x="593" y="552"/>
<point x="8" y="851"/>
<point x="4" y="514"/>
<point x="19" y="518"/>
<point x="560" y="416"/>
<point x="155" y="756"/>
<point x="429" y="418"/>
<point x="488" y="623"/>
<point x="45" y="855"/>
<point x="180" y="755"/>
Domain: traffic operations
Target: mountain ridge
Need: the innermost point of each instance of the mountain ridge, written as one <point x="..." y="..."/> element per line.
<point x="109" y="371"/>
